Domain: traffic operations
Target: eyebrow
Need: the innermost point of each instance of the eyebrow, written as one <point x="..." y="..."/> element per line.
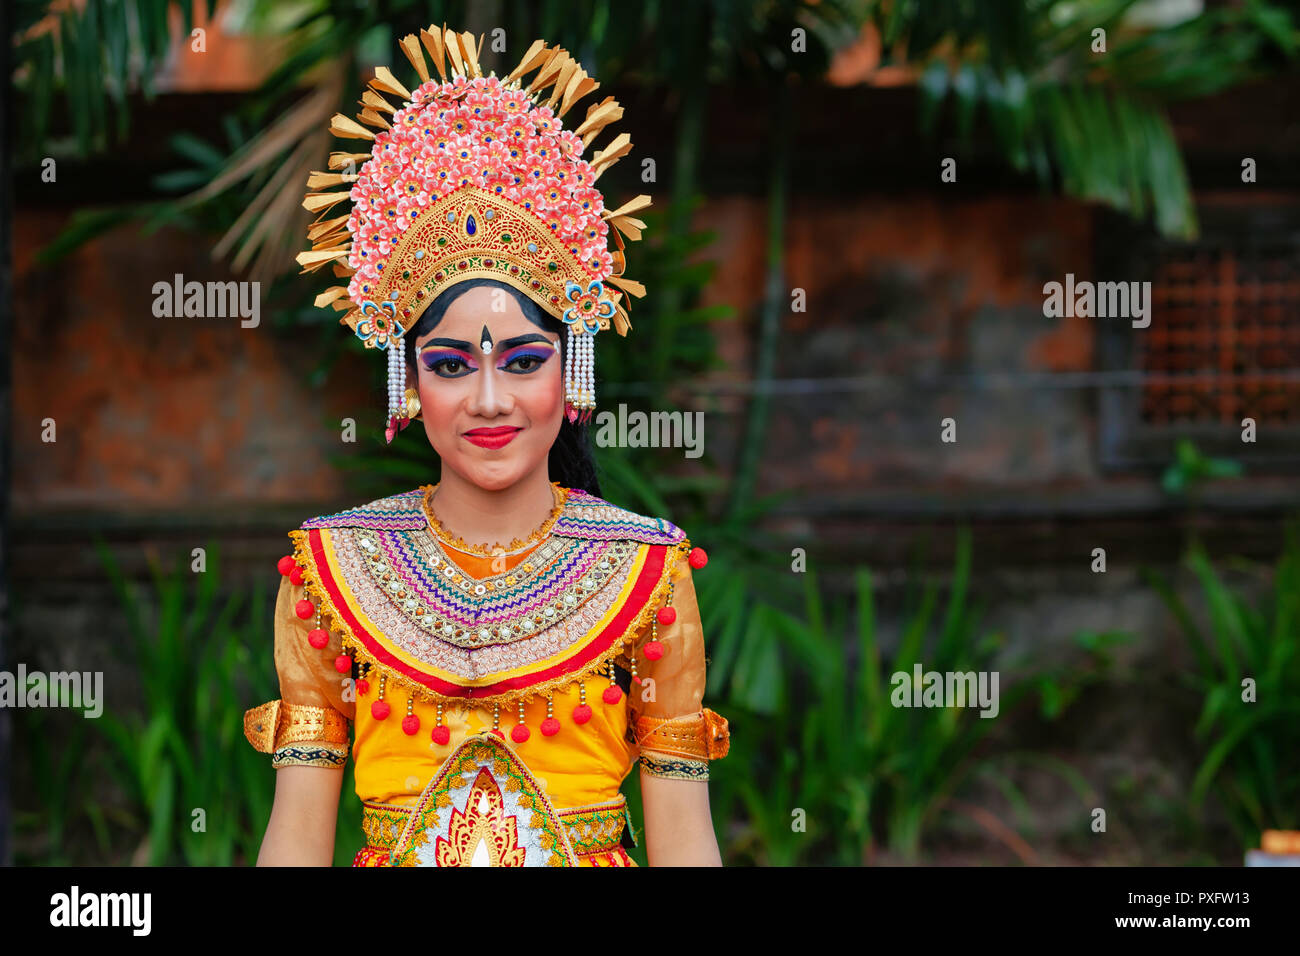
<point x="446" y="343"/>
<point x="506" y="344"/>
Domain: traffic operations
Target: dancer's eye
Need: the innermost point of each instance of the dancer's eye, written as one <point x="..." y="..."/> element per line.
<point x="446" y="364"/>
<point x="525" y="362"/>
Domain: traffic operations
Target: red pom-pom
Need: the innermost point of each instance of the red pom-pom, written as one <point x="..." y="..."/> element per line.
<point x="363" y="686"/>
<point x="295" y="576"/>
<point x="286" y="564"/>
<point x="581" y="714"/>
<point x="494" y="730"/>
<point x="697" y="558"/>
<point x="410" y="725"/>
<point x="343" y="663"/>
<point x="550" y="727"/>
<point x="667" y="615"/>
<point x="653" y="650"/>
<point x="318" y="638"/>
<point x="304" y="609"/>
<point x="612" y="695"/>
<point x="441" y="734"/>
<point x="519" y="733"/>
<point x="380" y="709"/>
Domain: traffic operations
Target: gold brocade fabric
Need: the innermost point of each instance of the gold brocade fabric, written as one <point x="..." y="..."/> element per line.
<point x="582" y="765"/>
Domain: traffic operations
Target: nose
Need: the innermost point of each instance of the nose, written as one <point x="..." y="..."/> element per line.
<point x="490" y="397"/>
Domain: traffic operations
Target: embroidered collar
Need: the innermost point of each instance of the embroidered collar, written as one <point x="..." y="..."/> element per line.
<point x="583" y="516"/>
<point x="386" y="583"/>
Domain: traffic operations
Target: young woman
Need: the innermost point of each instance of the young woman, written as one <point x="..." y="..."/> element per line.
<point x="504" y="644"/>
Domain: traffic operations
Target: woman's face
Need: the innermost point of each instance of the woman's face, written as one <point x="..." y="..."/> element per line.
<point x="491" y="389"/>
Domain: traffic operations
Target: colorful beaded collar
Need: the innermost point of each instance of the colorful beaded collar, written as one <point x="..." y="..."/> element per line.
<point x="381" y="579"/>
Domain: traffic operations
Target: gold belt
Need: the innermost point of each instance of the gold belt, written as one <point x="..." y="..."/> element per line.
<point x="593" y="828"/>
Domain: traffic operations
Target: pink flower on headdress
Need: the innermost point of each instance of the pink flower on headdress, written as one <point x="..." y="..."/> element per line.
<point x="602" y="263"/>
<point x="407" y="183"/>
<point x="588" y="200"/>
<point x="530" y="195"/>
<point x="513" y="101"/>
<point x="461" y="123"/>
<point x="518" y="131"/>
<point x="465" y="152"/>
<point x="570" y="219"/>
<point x="539" y="171"/>
<point x="480" y="105"/>
<point x="408" y="208"/>
<point x="429" y="154"/>
<point x="570" y="143"/>
<point x="544" y="119"/>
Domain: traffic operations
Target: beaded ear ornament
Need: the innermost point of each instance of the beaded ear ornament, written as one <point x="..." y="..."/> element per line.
<point x="474" y="176"/>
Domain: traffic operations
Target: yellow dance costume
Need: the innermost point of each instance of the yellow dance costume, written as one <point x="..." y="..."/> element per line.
<point x="490" y="724"/>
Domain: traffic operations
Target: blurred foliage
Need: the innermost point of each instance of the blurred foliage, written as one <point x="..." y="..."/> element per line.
<point x="819" y="740"/>
<point x="1247" y="741"/>
<point x="1087" y="119"/>
<point x="189" y="788"/>
<point x="1191" y="468"/>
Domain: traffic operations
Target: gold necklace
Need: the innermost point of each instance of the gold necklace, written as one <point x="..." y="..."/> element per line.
<point x="516" y="546"/>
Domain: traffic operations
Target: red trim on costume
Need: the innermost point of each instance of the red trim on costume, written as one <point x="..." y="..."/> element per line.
<point x="636" y="601"/>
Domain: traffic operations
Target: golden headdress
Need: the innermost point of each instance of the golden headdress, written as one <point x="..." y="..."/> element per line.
<point x="474" y="177"/>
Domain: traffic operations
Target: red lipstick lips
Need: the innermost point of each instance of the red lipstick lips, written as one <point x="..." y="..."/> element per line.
<point x="497" y="437"/>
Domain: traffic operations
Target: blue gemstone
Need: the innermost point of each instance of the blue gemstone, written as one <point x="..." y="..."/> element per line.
<point x="469" y="225"/>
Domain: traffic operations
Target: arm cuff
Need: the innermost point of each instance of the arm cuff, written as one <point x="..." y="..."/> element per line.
<point x="309" y="755"/>
<point x="694" y="738"/>
<point x="674" y="768"/>
<point x="298" y="733"/>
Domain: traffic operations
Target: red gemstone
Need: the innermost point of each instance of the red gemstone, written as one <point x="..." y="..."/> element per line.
<point x="697" y="558"/>
<point x="653" y="650"/>
<point x="363" y="686"/>
<point x="286" y="564"/>
<point x="410" y="725"/>
<point x="519" y="733"/>
<point x="550" y="727"/>
<point x="304" y="609"/>
<point x="295" y="576"/>
<point x="343" y="663"/>
<point x="441" y="734"/>
<point x="380" y="709"/>
<point x="667" y="615"/>
<point x="581" y="714"/>
<point x="318" y="638"/>
<point x="612" y="695"/>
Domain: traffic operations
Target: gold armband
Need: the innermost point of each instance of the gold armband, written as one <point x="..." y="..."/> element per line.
<point x="279" y="723"/>
<point x="701" y="736"/>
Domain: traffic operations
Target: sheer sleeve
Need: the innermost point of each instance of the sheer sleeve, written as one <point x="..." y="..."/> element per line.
<point x="677" y="736"/>
<point x="308" y="724"/>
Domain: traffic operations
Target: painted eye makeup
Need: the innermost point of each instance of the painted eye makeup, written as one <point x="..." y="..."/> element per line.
<point x="447" y="363"/>
<point x="526" y="359"/>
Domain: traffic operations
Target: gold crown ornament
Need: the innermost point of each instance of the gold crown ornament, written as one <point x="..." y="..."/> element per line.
<point x="472" y="177"/>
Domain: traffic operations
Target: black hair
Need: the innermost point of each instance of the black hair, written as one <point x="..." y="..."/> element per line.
<point x="571" y="461"/>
